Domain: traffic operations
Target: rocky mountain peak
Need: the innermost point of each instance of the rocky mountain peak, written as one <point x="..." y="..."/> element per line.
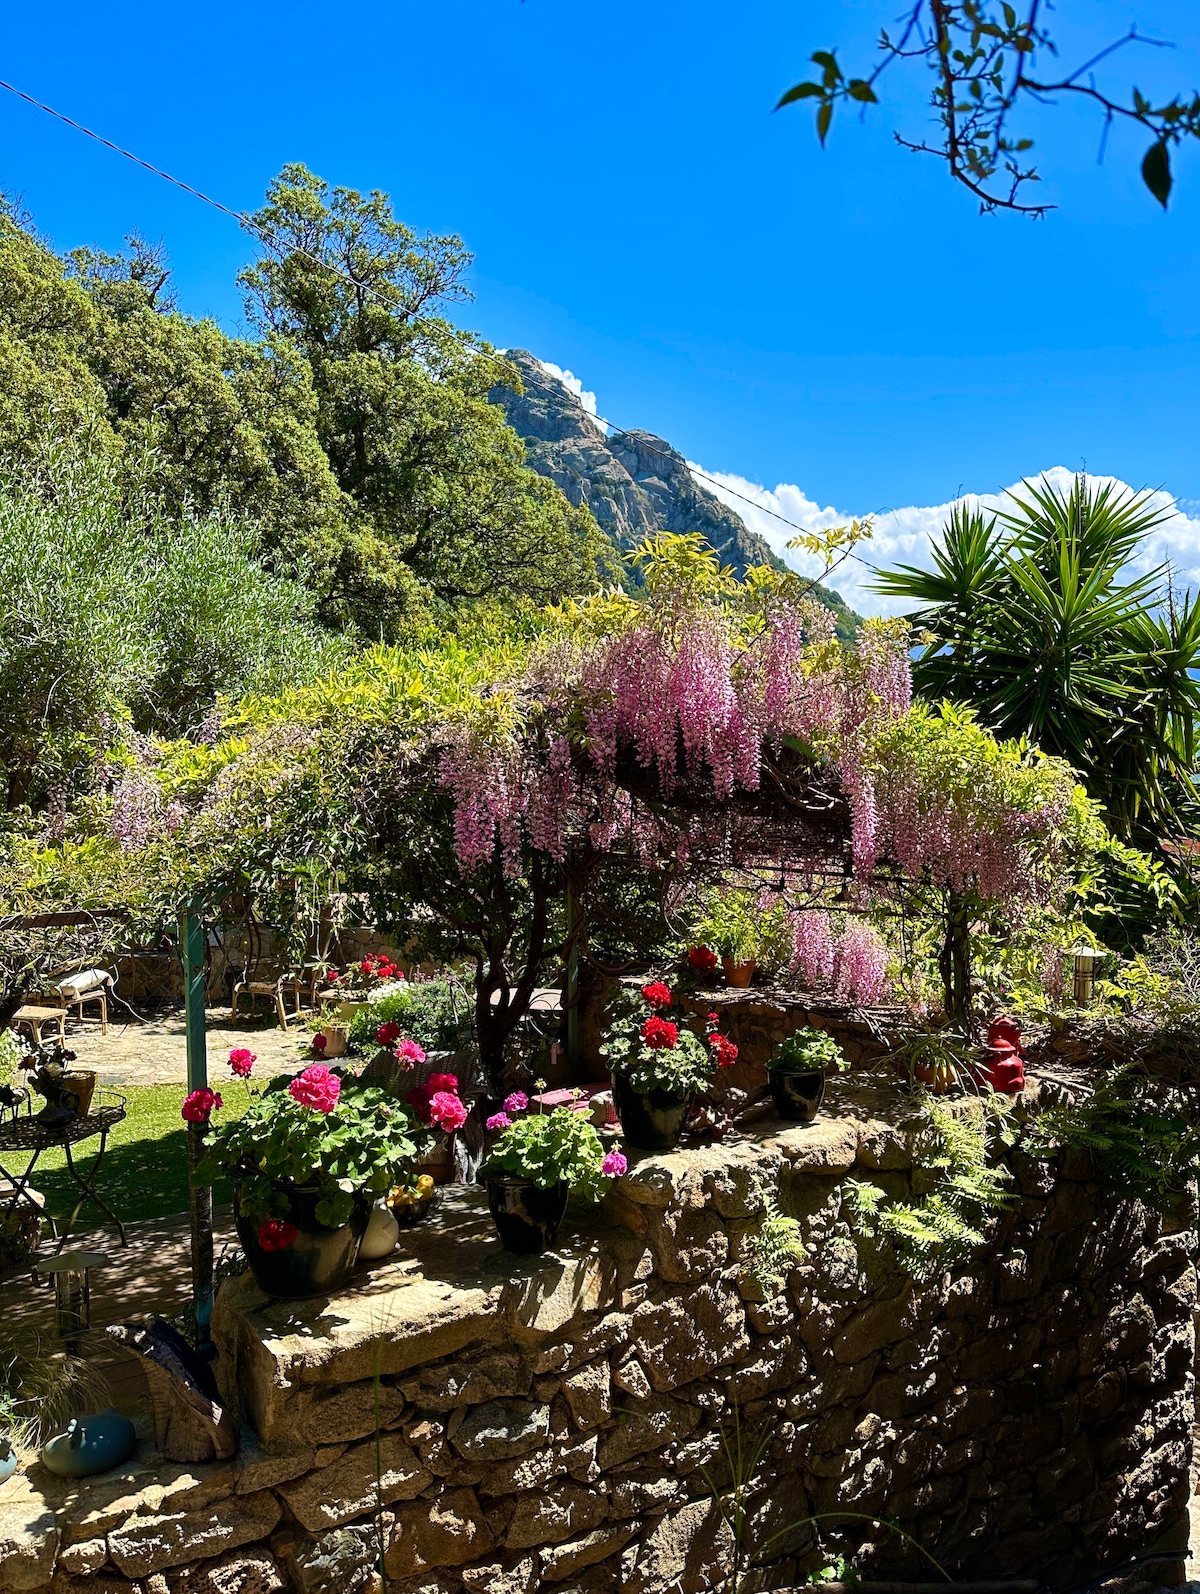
<point x="634" y="483"/>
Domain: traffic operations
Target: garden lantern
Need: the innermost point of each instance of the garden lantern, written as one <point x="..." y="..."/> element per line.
<point x="1083" y="964"/>
<point x="71" y="1272"/>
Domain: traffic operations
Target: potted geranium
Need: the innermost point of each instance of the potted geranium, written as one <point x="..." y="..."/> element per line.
<point x="797" y="1072"/>
<point x="658" y="1064"/>
<point x="357" y="984"/>
<point x="533" y="1167"/>
<point x="742" y="929"/>
<point x="307" y="1160"/>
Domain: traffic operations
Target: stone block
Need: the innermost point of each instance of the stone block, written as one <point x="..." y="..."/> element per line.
<point x="566" y="1511"/>
<point x="250" y="1571"/>
<point x="559" y="1291"/>
<point x="344" y="1561"/>
<point x="146" y="1544"/>
<point x="500" y="1429"/>
<point x="686" y="1548"/>
<point x="562" y="1561"/>
<point x="650" y="1426"/>
<point x="630" y="1376"/>
<point x="588" y="1392"/>
<point x="355" y="1483"/>
<point x="447" y="1531"/>
<point x="497" y="1577"/>
<point x="83" y="1557"/>
<point x="685" y="1336"/>
<point x="463" y="1383"/>
<point x="351" y="1413"/>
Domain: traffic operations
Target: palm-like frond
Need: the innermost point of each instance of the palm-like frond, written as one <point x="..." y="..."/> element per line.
<point x="1037" y="618"/>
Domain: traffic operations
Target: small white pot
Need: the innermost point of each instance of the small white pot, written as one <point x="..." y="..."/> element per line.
<point x="382" y="1234"/>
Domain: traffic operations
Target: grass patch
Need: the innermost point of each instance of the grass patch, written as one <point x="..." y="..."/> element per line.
<point x="144" y="1174"/>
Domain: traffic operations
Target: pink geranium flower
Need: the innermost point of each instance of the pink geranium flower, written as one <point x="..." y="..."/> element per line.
<point x="614" y="1165"/>
<point x="318" y="1043"/>
<point x="517" y="1102"/>
<point x="317" y="1087"/>
<point x="499" y="1120"/>
<point x="411" y="1052"/>
<point x="242" y="1061"/>
<point x="446" y="1110"/>
<point x="443" y="1082"/>
<point x="199" y="1104"/>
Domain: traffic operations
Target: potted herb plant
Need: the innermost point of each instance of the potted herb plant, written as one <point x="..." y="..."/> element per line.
<point x="737" y="926"/>
<point x="307" y="1161"/>
<point x="533" y="1167"/>
<point x="797" y="1072"/>
<point x="658" y="1064"/>
<point x="66" y="1091"/>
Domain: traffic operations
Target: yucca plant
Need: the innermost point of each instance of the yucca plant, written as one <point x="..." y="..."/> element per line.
<point x="1037" y="617"/>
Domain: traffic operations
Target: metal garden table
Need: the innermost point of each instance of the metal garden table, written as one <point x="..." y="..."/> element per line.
<point x="28" y="1134"/>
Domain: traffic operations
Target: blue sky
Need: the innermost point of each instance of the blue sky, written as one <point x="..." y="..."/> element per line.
<point x="841" y="321"/>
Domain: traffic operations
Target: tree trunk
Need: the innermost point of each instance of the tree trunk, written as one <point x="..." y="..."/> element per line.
<point x="954" y="961"/>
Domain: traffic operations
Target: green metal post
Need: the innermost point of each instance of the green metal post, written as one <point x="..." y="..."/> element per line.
<point x="191" y="948"/>
<point x="572" y="991"/>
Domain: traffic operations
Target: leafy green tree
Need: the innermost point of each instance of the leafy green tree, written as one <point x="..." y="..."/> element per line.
<point x="118" y="611"/>
<point x="437" y="477"/>
<point x="1036" y="618"/>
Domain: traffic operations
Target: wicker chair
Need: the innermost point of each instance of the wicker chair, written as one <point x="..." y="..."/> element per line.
<point x="263" y="976"/>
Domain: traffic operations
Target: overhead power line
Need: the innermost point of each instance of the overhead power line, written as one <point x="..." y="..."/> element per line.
<point x="374" y="292"/>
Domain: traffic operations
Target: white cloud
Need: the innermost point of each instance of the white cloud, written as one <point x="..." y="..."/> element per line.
<point x="573" y="385"/>
<point x="903" y="536"/>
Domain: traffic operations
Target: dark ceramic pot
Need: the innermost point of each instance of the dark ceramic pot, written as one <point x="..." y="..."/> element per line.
<point x="526" y="1218"/>
<point x="318" y="1261"/>
<point x="798" y="1094"/>
<point x="651" y="1122"/>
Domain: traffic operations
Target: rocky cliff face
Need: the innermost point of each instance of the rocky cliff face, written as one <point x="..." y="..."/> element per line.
<point x="634" y="483"/>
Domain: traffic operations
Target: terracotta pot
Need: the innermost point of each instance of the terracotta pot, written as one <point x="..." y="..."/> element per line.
<point x="798" y="1093"/>
<point x="318" y="1261"/>
<point x="439" y="1161"/>
<point x="81" y="1082"/>
<point x="526" y="1218"/>
<point x="337" y="1039"/>
<point x="738" y="975"/>
<point x="650" y="1122"/>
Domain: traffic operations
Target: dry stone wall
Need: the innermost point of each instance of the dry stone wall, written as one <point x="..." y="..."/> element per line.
<point x="471" y="1422"/>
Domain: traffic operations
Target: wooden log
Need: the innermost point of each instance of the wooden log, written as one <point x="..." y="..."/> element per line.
<point x="190" y="1422"/>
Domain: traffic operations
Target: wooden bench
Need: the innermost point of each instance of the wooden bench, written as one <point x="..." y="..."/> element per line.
<point x="33" y="1019"/>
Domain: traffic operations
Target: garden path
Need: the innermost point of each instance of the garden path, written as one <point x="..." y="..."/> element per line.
<point x="155" y="1052"/>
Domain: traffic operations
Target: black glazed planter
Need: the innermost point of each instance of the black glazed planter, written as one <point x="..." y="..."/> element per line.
<point x="798" y="1093"/>
<point x="526" y="1217"/>
<point x="651" y="1122"/>
<point x="318" y="1261"/>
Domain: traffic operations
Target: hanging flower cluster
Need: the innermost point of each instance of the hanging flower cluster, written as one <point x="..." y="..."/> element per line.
<point x="691" y="683"/>
<point x="852" y="964"/>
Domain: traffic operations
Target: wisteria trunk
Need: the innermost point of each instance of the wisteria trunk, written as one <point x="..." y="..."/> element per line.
<point x="954" y="960"/>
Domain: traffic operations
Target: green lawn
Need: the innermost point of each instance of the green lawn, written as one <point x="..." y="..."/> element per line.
<point x="145" y="1166"/>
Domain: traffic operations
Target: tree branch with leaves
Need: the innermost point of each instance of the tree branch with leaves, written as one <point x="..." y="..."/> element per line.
<point x="985" y="57"/>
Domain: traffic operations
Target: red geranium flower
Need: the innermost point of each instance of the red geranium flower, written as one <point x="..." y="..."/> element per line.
<point x="657" y="994"/>
<point x="418" y="1100"/>
<point x="443" y="1082"/>
<point x="660" y="1034"/>
<point x="277" y="1234"/>
<point x="702" y="958"/>
<point x="724" y="1050"/>
<point x="387" y="1033"/>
